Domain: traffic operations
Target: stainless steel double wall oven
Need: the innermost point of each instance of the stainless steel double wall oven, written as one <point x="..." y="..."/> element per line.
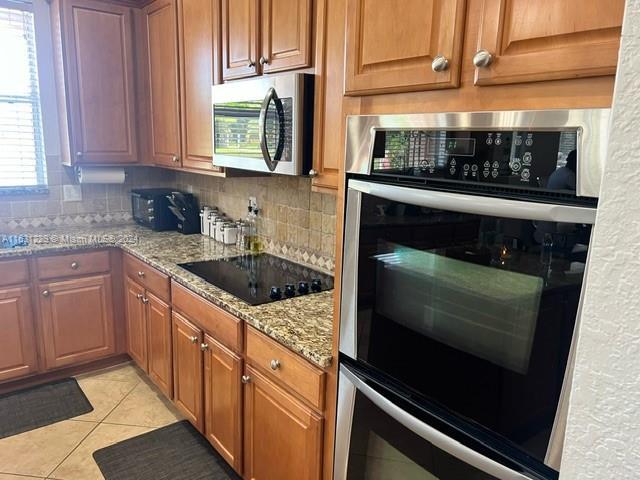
<point x="466" y="243"/>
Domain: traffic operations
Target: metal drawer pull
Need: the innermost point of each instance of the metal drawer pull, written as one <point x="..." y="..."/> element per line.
<point x="245" y="379"/>
<point x="275" y="364"/>
<point x="204" y="347"/>
<point x="141" y="274"/>
<point x="482" y="58"/>
<point x="74" y="265"/>
<point x="45" y="293"/>
<point x="139" y="296"/>
<point x="440" y="63"/>
<point x="194" y="339"/>
<point x="264" y="61"/>
<point x="145" y="300"/>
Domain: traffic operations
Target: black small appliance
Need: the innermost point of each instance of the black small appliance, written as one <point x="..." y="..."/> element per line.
<point x="184" y="206"/>
<point x="150" y="208"/>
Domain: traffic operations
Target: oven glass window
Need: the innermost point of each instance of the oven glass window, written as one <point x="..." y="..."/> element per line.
<point x="476" y="313"/>
<point x="237" y="133"/>
<point x="382" y="449"/>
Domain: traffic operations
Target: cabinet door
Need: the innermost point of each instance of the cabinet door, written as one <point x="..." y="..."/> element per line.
<point x="223" y="401"/>
<point x="162" y="44"/>
<point x="158" y="315"/>
<point x="239" y="38"/>
<point x="100" y="82"/>
<point x="187" y="370"/>
<point x="77" y="320"/>
<point x="282" y="437"/>
<point x="286" y="35"/>
<point x="18" y="352"/>
<point x="198" y="28"/>
<point x="392" y="48"/>
<point x="548" y="40"/>
<point x="136" y="324"/>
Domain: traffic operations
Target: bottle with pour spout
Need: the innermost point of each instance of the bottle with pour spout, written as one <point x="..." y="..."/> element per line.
<point x="251" y="240"/>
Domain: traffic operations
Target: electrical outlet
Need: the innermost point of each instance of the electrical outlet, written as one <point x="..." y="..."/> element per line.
<point x="189" y="188"/>
<point x="72" y="193"/>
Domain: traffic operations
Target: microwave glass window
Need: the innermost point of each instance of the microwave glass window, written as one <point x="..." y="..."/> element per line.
<point x="237" y="133"/>
<point x="482" y="307"/>
<point x="381" y="449"/>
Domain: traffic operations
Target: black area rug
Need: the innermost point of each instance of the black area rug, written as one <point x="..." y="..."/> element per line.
<point x="41" y="405"/>
<point x="174" y="452"/>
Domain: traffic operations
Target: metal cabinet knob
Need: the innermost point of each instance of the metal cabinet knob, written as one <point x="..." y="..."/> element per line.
<point x="194" y="339"/>
<point x="45" y="293"/>
<point x="204" y="347"/>
<point x="245" y="379"/>
<point x="74" y="265"/>
<point x="139" y="296"/>
<point x="141" y="274"/>
<point x="482" y="58"/>
<point x="78" y="154"/>
<point x="175" y="158"/>
<point x="251" y="64"/>
<point x="264" y="61"/>
<point x="313" y="173"/>
<point x="145" y="300"/>
<point x="275" y="364"/>
<point x="440" y="63"/>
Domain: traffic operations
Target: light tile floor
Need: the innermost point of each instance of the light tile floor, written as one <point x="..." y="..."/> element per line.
<point x="125" y="404"/>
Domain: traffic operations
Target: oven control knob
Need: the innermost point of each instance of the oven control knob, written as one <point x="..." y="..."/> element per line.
<point x="316" y="285"/>
<point x="303" y="288"/>
<point x="276" y="293"/>
<point x="290" y="290"/>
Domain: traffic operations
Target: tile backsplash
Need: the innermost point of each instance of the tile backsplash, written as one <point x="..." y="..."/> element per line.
<point x="293" y="220"/>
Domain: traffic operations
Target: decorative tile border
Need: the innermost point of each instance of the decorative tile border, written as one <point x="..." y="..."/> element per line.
<point x="300" y="255"/>
<point x="54" y="221"/>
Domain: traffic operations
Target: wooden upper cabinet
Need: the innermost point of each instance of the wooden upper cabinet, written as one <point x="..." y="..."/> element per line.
<point x="282" y="437"/>
<point x="99" y="82"/>
<point x="286" y="35"/>
<point x="136" y="324"/>
<point x="187" y="370"/>
<point x="223" y="401"/>
<point x="77" y="320"/>
<point x="18" y="351"/>
<point x="158" y="315"/>
<point x="162" y="65"/>
<point x="391" y="47"/>
<point x="239" y="38"/>
<point x="548" y="40"/>
<point x="198" y="39"/>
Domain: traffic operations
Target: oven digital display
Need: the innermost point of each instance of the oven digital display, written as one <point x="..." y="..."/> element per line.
<point x="458" y="146"/>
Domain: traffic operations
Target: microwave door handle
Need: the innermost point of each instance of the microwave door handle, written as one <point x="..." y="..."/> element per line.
<point x="271" y="95"/>
<point x="431" y="435"/>
<point x="478" y="205"/>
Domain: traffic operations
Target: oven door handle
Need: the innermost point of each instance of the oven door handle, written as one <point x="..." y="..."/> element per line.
<point x="271" y="96"/>
<point x="431" y="435"/>
<point x="479" y="205"/>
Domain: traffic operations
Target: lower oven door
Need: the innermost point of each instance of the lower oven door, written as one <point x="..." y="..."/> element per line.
<point x="377" y="439"/>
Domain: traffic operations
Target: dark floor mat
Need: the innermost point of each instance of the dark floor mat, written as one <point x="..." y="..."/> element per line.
<point x="174" y="452"/>
<point x="41" y="405"/>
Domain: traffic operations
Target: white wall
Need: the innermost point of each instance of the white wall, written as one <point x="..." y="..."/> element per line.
<point x="603" y="431"/>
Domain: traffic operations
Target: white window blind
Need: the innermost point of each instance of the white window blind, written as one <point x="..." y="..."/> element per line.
<point x="21" y="143"/>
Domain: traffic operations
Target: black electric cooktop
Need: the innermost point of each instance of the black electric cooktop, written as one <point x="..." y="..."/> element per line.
<point x="261" y="278"/>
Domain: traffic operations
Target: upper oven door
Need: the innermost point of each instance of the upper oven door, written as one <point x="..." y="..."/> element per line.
<point x="257" y="124"/>
<point x="469" y="301"/>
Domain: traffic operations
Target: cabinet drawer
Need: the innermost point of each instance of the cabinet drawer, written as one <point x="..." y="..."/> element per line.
<point x="148" y="277"/>
<point x="296" y="373"/>
<point x="220" y="325"/>
<point x="73" y="265"/>
<point x="13" y="272"/>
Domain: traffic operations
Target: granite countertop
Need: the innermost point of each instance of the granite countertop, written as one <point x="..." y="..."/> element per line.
<point x="303" y="324"/>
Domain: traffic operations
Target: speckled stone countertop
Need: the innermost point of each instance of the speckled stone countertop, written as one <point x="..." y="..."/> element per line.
<point x="303" y="324"/>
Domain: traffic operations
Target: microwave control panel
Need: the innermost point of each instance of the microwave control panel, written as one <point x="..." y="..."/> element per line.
<point x="540" y="160"/>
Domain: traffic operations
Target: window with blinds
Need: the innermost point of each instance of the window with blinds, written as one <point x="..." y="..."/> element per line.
<point x="22" y="160"/>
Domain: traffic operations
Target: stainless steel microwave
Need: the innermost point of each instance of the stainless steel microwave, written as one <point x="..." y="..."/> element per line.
<point x="264" y="124"/>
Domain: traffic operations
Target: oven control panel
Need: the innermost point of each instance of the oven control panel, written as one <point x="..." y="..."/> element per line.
<point x="544" y="160"/>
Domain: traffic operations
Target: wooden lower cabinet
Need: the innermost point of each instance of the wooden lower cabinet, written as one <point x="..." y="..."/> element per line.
<point x="18" y="350"/>
<point x="282" y="436"/>
<point x="223" y="401"/>
<point x="136" y="324"/>
<point x="187" y="370"/>
<point x="77" y="320"/>
<point x="158" y="320"/>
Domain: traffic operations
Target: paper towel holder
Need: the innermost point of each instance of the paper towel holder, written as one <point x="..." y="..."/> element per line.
<point x="100" y="174"/>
